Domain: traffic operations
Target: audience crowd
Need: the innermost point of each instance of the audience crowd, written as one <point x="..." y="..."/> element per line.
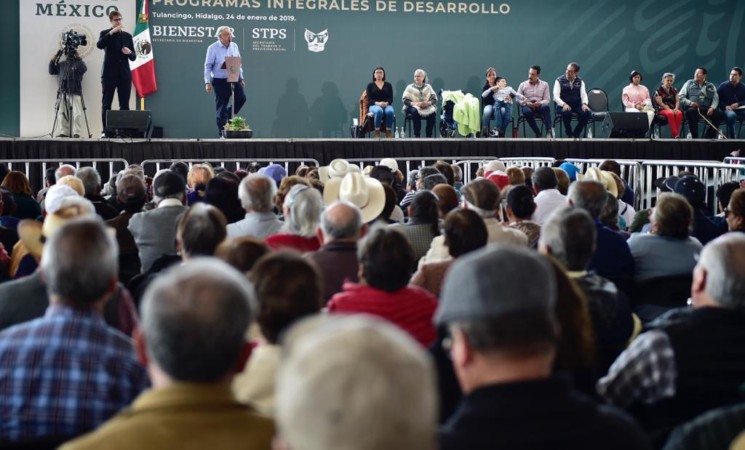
<point x="364" y="308"/>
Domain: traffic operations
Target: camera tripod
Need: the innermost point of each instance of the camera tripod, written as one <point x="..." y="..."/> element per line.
<point x="64" y="96"/>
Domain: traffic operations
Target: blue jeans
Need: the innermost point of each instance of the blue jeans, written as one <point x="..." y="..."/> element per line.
<point x="582" y="118"/>
<point x="731" y="118"/>
<point x="501" y="112"/>
<point x="378" y="116"/>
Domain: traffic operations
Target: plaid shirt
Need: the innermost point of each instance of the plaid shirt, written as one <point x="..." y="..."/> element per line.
<point x="645" y="371"/>
<point x="63" y="374"/>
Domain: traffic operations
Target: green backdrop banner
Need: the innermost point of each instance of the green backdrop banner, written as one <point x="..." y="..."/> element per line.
<point x="307" y="61"/>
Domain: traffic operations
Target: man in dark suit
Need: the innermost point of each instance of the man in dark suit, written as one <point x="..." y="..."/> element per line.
<point x="119" y="50"/>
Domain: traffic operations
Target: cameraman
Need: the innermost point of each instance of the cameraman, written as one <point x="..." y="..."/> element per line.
<point x="69" y="93"/>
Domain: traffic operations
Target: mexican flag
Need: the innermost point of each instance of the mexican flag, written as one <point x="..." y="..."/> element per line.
<point x="143" y="68"/>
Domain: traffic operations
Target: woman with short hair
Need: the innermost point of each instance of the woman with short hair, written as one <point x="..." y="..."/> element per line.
<point x="668" y="104"/>
<point x="419" y="101"/>
<point x="668" y="248"/>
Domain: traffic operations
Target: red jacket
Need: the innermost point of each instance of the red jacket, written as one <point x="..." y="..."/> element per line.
<point x="410" y="308"/>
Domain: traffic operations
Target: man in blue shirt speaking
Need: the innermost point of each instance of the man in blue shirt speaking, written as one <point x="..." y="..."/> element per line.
<point x="216" y="76"/>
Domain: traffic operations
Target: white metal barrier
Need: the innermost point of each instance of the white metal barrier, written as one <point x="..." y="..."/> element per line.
<point x="231" y="164"/>
<point x="35" y="169"/>
<point x="712" y="174"/>
<point x="640" y="175"/>
<point x="630" y="171"/>
<point x="469" y="164"/>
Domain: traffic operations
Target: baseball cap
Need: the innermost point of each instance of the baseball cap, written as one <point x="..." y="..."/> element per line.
<point x="485" y="285"/>
<point x="691" y="188"/>
<point x="275" y="172"/>
<point x="570" y="169"/>
<point x="666" y="184"/>
<point x="131" y="190"/>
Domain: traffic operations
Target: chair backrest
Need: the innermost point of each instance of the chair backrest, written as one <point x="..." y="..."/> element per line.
<point x="670" y="291"/>
<point x="597" y="100"/>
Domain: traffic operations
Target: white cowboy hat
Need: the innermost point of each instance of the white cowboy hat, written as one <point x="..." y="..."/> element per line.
<point x="364" y="192"/>
<point x="601" y="176"/>
<point x="337" y="168"/>
<point x="494" y="166"/>
<point x="390" y="163"/>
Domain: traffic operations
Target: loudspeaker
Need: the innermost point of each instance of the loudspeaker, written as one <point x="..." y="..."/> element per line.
<point x="136" y="124"/>
<point x="624" y="125"/>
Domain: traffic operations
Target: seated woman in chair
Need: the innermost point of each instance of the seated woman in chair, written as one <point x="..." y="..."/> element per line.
<point x="488" y="100"/>
<point x="667" y="99"/>
<point x="380" y="98"/>
<point x="635" y="97"/>
<point x="419" y="102"/>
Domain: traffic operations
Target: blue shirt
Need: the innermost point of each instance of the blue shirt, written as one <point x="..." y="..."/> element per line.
<point x="215" y="60"/>
<point x="612" y="258"/>
<point x="64" y="374"/>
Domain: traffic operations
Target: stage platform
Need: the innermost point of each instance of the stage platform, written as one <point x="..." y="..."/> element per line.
<point x="324" y="150"/>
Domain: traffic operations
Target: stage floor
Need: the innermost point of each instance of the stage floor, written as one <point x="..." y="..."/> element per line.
<point x="324" y="150"/>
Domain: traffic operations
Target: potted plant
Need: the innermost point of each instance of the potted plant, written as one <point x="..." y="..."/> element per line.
<point x="237" y="128"/>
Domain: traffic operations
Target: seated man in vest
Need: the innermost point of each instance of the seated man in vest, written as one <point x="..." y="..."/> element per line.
<point x="700" y="99"/>
<point x="194" y="318"/>
<point x="570" y="97"/>
<point x="504" y="336"/>
<point x="695" y="362"/>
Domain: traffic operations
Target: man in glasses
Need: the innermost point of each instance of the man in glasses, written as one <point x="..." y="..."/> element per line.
<point x="570" y="96"/>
